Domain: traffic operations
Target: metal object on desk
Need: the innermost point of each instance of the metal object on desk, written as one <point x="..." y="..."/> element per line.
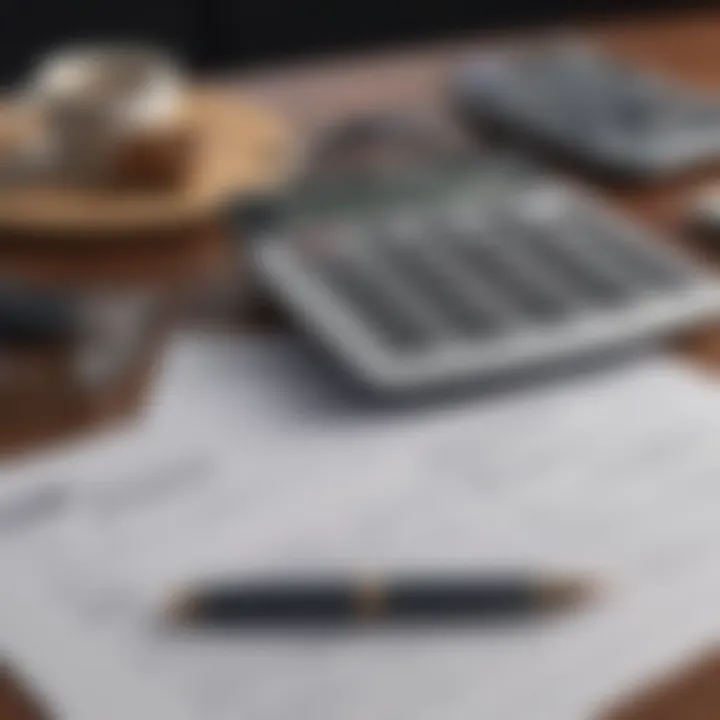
<point x="58" y="347"/>
<point x="113" y="330"/>
<point x="471" y="271"/>
<point x="595" y="111"/>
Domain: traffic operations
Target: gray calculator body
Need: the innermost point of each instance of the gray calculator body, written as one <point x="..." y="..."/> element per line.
<point x="584" y="105"/>
<point x="473" y="272"/>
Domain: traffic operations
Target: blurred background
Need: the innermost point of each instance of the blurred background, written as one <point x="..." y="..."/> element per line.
<point x="222" y="34"/>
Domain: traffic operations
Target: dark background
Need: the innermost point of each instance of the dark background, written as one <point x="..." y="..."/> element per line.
<point x="225" y="33"/>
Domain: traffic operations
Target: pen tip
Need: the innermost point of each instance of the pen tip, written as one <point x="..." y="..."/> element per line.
<point x="561" y="593"/>
<point x="179" y="608"/>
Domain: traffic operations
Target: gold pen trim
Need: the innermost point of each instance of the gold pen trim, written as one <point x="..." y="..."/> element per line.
<point x="371" y="599"/>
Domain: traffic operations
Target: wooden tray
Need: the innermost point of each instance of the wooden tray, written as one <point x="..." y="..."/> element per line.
<point x="239" y="147"/>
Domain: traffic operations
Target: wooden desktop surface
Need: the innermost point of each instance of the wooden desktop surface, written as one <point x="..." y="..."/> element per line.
<point x="312" y="95"/>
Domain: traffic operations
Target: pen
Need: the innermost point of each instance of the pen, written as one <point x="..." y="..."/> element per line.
<point x="339" y="601"/>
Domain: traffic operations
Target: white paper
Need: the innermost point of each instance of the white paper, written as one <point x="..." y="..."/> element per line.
<point x="250" y="463"/>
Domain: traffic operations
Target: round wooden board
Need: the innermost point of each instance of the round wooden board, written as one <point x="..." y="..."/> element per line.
<point x="239" y="147"/>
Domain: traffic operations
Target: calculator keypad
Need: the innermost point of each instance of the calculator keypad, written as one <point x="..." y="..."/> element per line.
<point x="465" y="281"/>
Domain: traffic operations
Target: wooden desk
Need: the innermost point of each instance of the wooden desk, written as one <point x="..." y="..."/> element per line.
<point x="688" y="46"/>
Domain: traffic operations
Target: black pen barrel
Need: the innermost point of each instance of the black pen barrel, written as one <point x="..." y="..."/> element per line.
<point x="342" y="601"/>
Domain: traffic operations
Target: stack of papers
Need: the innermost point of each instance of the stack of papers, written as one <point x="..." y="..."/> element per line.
<point x="250" y="463"/>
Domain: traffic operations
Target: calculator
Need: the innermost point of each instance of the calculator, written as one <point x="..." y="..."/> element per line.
<point x="575" y="101"/>
<point x="469" y="270"/>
